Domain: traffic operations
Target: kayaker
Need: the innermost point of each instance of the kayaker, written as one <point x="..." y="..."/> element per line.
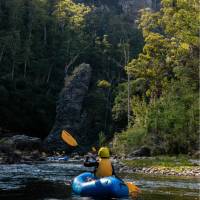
<point x="103" y="165"/>
<point x="92" y="156"/>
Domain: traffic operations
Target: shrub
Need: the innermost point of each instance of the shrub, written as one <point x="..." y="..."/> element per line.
<point x="127" y="141"/>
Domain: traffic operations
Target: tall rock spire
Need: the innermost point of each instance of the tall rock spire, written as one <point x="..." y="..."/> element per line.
<point x="69" y="107"/>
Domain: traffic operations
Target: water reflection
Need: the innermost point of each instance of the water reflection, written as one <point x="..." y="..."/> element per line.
<point x="46" y="181"/>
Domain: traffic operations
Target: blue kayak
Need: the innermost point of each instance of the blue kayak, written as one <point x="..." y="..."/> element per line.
<point x="86" y="184"/>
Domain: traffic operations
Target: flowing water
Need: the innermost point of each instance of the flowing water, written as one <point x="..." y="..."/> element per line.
<point x="47" y="181"/>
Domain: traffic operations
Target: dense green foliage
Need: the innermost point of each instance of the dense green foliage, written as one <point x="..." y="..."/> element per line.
<point x="41" y="41"/>
<point x="35" y="38"/>
<point x="166" y="116"/>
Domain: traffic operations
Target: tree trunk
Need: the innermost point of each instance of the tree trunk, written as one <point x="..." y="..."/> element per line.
<point x="126" y="61"/>
<point x="2" y="52"/>
<point x="73" y="60"/>
<point x="49" y="74"/>
<point x="13" y="70"/>
<point x="128" y="114"/>
<point x="107" y="107"/>
<point x="25" y="68"/>
<point x="45" y="34"/>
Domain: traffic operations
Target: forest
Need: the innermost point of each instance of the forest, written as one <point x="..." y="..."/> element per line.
<point x="144" y="88"/>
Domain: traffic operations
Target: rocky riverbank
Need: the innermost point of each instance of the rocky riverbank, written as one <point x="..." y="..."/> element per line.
<point x="184" y="171"/>
<point x="123" y="166"/>
<point x="25" y="149"/>
<point x="21" y="149"/>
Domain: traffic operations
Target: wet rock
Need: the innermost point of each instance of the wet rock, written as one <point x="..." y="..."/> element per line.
<point x="35" y="155"/>
<point x="5" y="148"/>
<point x="196" y="155"/>
<point x="42" y="159"/>
<point x="195" y="162"/>
<point x="13" y="157"/>
<point x="1" y="159"/>
<point x="77" y="157"/>
<point x="20" y="148"/>
<point x="27" y="158"/>
<point x="22" y="142"/>
<point x="123" y="169"/>
<point x="44" y="154"/>
<point x="18" y="153"/>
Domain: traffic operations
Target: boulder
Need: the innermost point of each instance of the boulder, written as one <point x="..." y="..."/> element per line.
<point x="20" y="142"/>
<point x="69" y="111"/>
<point x="143" y="151"/>
<point x="5" y="148"/>
<point x="196" y="154"/>
<point x="35" y="155"/>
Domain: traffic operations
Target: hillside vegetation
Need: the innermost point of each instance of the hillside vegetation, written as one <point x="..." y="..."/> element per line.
<point x="164" y="83"/>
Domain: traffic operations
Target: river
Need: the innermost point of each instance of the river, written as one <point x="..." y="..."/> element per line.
<point x="47" y="181"/>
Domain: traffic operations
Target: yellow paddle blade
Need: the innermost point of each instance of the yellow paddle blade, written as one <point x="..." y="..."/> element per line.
<point x="68" y="139"/>
<point x="132" y="188"/>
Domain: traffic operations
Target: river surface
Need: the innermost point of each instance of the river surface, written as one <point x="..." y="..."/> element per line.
<point x="47" y="181"/>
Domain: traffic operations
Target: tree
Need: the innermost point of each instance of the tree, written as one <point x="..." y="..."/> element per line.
<point x="33" y="53"/>
<point x="169" y="66"/>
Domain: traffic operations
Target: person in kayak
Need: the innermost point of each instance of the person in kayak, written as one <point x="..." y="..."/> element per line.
<point x="103" y="165"/>
<point x="92" y="156"/>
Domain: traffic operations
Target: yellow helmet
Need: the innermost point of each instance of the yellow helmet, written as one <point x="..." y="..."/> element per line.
<point x="104" y="152"/>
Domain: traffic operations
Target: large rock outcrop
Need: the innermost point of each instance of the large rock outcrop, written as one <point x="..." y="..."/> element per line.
<point x="69" y="108"/>
<point x="20" y="142"/>
<point x="20" y="149"/>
